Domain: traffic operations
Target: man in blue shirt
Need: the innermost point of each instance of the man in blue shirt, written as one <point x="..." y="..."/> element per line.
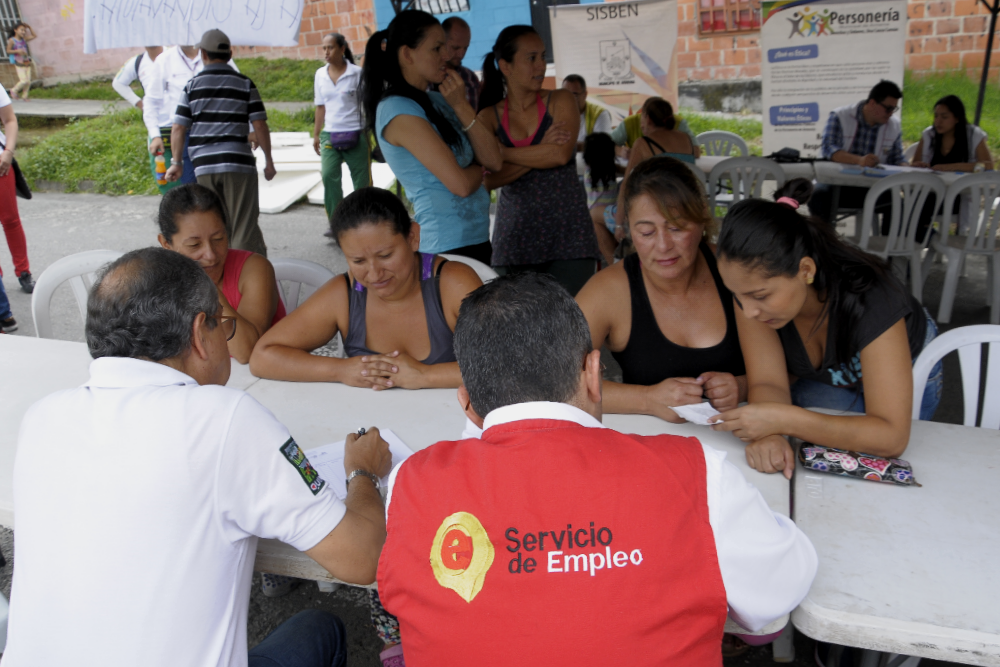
<point x="864" y="134"/>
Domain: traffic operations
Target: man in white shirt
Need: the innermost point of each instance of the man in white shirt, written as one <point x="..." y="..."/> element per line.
<point x="171" y="72"/>
<point x="626" y="549"/>
<point x="154" y="481"/>
<point x="137" y="67"/>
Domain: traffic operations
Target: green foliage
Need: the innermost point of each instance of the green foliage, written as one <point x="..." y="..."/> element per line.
<point x="296" y="121"/>
<point x="282" y="79"/>
<point x="921" y="92"/>
<point x="749" y="129"/>
<point x="83" y="90"/>
<point x="109" y="150"/>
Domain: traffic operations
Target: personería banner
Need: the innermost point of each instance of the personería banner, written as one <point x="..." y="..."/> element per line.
<point x="820" y="55"/>
<point x="110" y="24"/>
<point x="626" y="51"/>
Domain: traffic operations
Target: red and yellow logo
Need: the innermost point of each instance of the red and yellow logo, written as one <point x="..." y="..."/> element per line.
<point x="461" y="555"/>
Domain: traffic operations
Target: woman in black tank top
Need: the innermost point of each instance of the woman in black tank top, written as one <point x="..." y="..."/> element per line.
<point x="664" y="312"/>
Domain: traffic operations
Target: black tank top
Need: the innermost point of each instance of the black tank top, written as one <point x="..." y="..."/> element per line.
<point x="650" y="357"/>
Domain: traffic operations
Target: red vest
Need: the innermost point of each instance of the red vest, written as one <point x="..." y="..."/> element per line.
<point x="547" y="542"/>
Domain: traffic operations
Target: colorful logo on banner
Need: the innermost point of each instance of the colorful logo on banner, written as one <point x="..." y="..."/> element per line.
<point x="461" y="555"/>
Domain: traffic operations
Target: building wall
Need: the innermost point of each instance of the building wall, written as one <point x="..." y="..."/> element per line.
<point x="943" y="35"/>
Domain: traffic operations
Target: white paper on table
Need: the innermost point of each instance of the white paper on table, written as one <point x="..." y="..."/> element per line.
<point x="698" y="413"/>
<point x="328" y="460"/>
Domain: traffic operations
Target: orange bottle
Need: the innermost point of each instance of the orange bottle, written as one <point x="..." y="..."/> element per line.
<point x="161" y="170"/>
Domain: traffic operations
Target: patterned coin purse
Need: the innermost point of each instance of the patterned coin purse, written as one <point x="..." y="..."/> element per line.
<point x="853" y="464"/>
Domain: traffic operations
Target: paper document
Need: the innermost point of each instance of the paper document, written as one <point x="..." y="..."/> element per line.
<point x="329" y="461"/>
<point x="699" y="413"/>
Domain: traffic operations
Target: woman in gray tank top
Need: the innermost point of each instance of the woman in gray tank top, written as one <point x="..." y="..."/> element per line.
<point x="395" y="308"/>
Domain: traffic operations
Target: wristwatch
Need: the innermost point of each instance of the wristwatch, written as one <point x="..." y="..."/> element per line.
<point x="362" y="472"/>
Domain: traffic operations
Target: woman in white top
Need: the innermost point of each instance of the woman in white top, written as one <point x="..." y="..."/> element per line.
<point x="952" y="143"/>
<point x="337" y="137"/>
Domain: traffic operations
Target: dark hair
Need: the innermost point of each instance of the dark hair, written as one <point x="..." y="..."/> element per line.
<point x="519" y="338"/>
<point x="494" y="88"/>
<point x="775" y="238"/>
<point x="144" y="303"/>
<point x="660" y="113"/>
<point x="382" y="77"/>
<point x="341" y="41"/>
<point x="884" y="89"/>
<point x="13" y="30"/>
<point x="219" y="55"/>
<point x="955" y="105"/>
<point x="453" y="21"/>
<point x="673" y="186"/>
<point x="185" y="199"/>
<point x="599" y="155"/>
<point x="575" y="78"/>
<point x="370" y="206"/>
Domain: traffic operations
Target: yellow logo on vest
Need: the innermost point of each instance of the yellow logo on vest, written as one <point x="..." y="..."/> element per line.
<point x="461" y="555"/>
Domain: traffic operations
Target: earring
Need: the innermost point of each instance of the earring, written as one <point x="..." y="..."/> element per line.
<point x="809" y="280"/>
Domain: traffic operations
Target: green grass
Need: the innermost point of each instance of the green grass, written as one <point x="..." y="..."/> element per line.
<point x="751" y="130"/>
<point x="279" y="80"/>
<point x="109" y="150"/>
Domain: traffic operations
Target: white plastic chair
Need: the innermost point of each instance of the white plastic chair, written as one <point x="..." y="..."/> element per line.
<point x="78" y="270"/>
<point x="909" y="193"/>
<point x="969" y="342"/>
<point x="298" y="272"/>
<point x="484" y="272"/>
<point x="982" y="191"/>
<point x="746" y="175"/>
<point x="717" y="142"/>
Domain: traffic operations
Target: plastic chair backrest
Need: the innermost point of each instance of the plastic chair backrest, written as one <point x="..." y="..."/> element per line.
<point x="78" y="270"/>
<point x="718" y="142"/>
<point x="984" y="190"/>
<point x="909" y="193"/>
<point x="484" y="272"/>
<point x="747" y="176"/>
<point x="298" y="272"/>
<point x="910" y="152"/>
<point x="969" y="342"/>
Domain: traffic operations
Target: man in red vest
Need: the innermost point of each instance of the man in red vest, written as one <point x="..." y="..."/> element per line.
<point x="553" y="540"/>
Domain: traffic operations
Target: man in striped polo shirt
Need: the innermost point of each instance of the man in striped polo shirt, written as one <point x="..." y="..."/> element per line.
<point x="219" y="105"/>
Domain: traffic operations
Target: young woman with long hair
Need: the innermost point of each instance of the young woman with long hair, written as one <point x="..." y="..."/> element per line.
<point x="337" y="136"/>
<point x="431" y="140"/>
<point x="840" y="324"/>
<point x="542" y="220"/>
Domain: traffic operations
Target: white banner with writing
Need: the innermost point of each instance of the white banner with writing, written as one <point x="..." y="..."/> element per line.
<point x="110" y="24"/>
<point x="626" y="51"/>
<point x="820" y="55"/>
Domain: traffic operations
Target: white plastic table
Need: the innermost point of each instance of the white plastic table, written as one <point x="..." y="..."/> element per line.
<point x="792" y="169"/>
<point x="904" y="569"/>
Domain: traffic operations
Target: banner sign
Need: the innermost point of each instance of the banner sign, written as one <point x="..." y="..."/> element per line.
<point x="626" y="51"/>
<point x="110" y="24"/>
<point x="820" y="55"/>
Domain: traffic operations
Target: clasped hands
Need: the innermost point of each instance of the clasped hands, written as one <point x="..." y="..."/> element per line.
<point x="385" y="371"/>
<point x="721" y="389"/>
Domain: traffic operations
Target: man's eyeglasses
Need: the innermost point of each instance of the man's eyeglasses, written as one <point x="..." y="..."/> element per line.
<point x="228" y="325"/>
<point x="888" y="109"/>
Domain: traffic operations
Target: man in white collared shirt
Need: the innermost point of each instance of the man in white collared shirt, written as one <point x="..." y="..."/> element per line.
<point x="171" y="72"/>
<point x="153" y="482"/>
<point x="556" y="538"/>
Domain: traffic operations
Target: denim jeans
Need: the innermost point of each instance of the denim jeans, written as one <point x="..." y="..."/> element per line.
<point x="4" y="303"/>
<point x="812" y="394"/>
<point x="311" y="638"/>
<point x="187" y="177"/>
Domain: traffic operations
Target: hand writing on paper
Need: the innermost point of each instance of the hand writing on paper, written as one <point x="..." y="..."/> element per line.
<point x="367" y="452"/>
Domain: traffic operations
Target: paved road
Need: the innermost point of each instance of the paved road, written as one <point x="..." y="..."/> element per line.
<point x="89" y="108"/>
<point x="61" y="224"/>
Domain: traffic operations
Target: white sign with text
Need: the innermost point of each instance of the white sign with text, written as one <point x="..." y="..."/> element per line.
<point x="820" y="55"/>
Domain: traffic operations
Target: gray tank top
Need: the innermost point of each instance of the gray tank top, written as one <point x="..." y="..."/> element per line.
<point x="437" y="326"/>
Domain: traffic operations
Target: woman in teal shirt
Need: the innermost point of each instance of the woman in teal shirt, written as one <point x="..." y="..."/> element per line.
<point x="431" y="140"/>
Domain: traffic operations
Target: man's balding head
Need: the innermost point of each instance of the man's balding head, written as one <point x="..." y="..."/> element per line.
<point x="457" y="38"/>
<point x="144" y="305"/>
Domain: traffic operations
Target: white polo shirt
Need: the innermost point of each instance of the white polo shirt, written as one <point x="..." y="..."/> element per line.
<point x="129" y="72"/>
<point x="138" y="499"/>
<point x="343" y="113"/>
<point x="171" y="71"/>
<point x="4" y="102"/>
<point x="767" y="563"/>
